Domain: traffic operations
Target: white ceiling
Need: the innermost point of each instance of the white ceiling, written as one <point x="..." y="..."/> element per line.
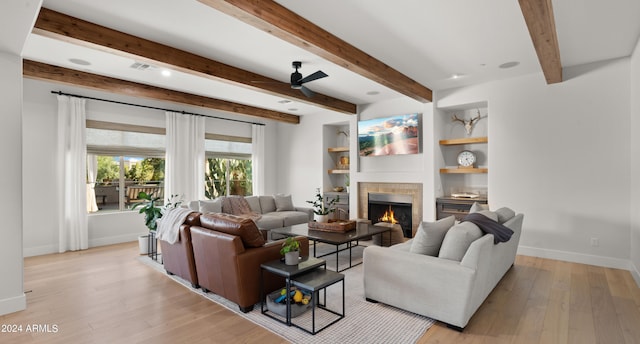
<point x="427" y="40"/>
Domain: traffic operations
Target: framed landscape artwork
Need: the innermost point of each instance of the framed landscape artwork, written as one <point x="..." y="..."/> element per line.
<point x="389" y="135"/>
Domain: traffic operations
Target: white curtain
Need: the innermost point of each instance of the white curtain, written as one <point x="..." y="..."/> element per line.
<point x="92" y="172"/>
<point x="257" y="159"/>
<point x="184" y="165"/>
<point x="72" y="175"/>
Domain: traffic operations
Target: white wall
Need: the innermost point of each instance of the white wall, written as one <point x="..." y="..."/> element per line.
<point x="299" y="156"/>
<point x="560" y="155"/>
<point x="301" y="152"/>
<point x="12" y="298"/>
<point x="39" y="137"/>
<point x="414" y="168"/>
<point x="635" y="164"/>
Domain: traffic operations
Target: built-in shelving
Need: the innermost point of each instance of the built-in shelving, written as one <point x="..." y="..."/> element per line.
<point x="464" y="141"/>
<point x="464" y="170"/>
<point x="336" y="171"/>
<point x="337" y="149"/>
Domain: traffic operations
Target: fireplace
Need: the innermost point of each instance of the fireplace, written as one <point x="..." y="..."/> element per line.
<point x="392" y="208"/>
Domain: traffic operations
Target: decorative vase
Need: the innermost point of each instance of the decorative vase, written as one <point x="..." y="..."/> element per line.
<point x="321" y="218"/>
<point x="292" y="258"/>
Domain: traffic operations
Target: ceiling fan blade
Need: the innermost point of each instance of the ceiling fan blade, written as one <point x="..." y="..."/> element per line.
<point x="307" y="92"/>
<point x="315" y="76"/>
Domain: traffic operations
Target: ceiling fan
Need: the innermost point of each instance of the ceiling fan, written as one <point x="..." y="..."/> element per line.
<point x="297" y="80"/>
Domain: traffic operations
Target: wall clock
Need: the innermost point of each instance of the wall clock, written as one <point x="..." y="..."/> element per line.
<point x="466" y="159"/>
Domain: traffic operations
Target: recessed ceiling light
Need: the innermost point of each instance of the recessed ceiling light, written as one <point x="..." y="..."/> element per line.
<point x="456" y="76"/>
<point x="373" y="93"/>
<point x="80" y="62"/>
<point x="509" y="64"/>
<point x="166" y="72"/>
<point x="292" y="109"/>
<point x="284" y="101"/>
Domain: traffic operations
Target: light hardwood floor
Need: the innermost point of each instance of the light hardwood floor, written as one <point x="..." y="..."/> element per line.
<point x="104" y="295"/>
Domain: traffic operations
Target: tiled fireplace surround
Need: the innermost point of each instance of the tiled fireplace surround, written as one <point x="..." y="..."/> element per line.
<point x="413" y="189"/>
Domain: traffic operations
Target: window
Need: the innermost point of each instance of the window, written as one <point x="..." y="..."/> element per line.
<point x="228" y="167"/>
<point x="126" y="163"/>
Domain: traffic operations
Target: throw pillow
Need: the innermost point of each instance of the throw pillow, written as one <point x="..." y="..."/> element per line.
<point x="267" y="204"/>
<point x="458" y="239"/>
<point x="429" y="236"/>
<point x="476" y="207"/>
<point x="283" y="203"/>
<point x="214" y="206"/>
<point x="236" y="205"/>
<point x="254" y="203"/>
<point x="505" y="214"/>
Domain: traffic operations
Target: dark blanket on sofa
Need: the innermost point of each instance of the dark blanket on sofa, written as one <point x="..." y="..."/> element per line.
<point x="500" y="232"/>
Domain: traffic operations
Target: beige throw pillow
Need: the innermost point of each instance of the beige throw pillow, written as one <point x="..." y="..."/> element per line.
<point x="283" y="203"/>
<point x="458" y="239"/>
<point x="214" y="206"/>
<point x="429" y="236"/>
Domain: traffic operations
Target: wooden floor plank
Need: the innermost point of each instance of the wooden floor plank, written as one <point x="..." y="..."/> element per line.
<point x="581" y="321"/>
<point x="104" y="295"/>
<point x="606" y="322"/>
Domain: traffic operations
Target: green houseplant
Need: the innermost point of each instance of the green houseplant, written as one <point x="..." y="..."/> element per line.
<point x="291" y="251"/>
<point x="321" y="210"/>
<point x="152" y="212"/>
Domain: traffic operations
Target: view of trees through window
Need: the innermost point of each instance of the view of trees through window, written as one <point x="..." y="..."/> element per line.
<point x="140" y="174"/>
<point x="228" y="177"/>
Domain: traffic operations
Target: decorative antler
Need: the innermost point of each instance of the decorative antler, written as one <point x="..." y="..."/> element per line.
<point x="468" y="123"/>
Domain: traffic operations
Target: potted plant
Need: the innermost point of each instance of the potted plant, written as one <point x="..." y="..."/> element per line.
<point x="347" y="182"/>
<point x="291" y="251"/>
<point x="321" y="210"/>
<point x="152" y="213"/>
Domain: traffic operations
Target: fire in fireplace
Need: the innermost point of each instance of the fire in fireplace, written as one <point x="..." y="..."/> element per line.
<point x="391" y="208"/>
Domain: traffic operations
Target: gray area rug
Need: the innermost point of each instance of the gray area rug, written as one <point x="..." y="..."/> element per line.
<point x="364" y="322"/>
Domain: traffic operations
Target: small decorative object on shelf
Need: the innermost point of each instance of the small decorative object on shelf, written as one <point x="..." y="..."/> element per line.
<point x="291" y="251"/>
<point x="468" y="123"/>
<point x="321" y="210"/>
<point x="466" y="159"/>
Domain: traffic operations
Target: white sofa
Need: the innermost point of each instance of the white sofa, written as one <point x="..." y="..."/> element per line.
<point x="443" y="289"/>
<point x="275" y="211"/>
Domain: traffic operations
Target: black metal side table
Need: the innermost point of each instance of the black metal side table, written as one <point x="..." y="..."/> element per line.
<point x="279" y="268"/>
<point x="152" y="246"/>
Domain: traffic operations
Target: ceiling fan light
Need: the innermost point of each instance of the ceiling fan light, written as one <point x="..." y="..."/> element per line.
<point x="296" y="87"/>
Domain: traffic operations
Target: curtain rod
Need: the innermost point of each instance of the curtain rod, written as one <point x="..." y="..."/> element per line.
<point x="152" y="107"/>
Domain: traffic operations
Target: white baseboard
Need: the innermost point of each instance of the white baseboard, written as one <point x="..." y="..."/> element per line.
<point x="573" y="257"/>
<point x="49" y="249"/>
<point x="115" y="239"/>
<point x="39" y="250"/>
<point x="13" y="304"/>
<point x="635" y="273"/>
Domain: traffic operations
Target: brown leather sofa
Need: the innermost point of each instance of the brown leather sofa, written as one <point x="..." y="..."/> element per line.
<point x="178" y="258"/>
<point x="228" y="251"/>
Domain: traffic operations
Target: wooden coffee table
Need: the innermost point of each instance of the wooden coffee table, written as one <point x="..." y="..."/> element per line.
<point x="350" y="238"/>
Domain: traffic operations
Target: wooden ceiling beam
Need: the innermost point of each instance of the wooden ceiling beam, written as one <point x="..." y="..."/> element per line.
<point x="538" y="14"/>
<point x="47" y="72"/>
<point x="77" y="31"/>
<point x="277" y="20"/>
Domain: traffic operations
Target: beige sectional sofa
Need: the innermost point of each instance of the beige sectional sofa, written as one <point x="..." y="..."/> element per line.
<point x="268" y="212"/>
<point x="447" y="289"/>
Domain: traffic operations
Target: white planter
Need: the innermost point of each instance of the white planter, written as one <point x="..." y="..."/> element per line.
<point x="321" y="218"/>
<point x="143" y="243"/>
<point x="292" y="258"/>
